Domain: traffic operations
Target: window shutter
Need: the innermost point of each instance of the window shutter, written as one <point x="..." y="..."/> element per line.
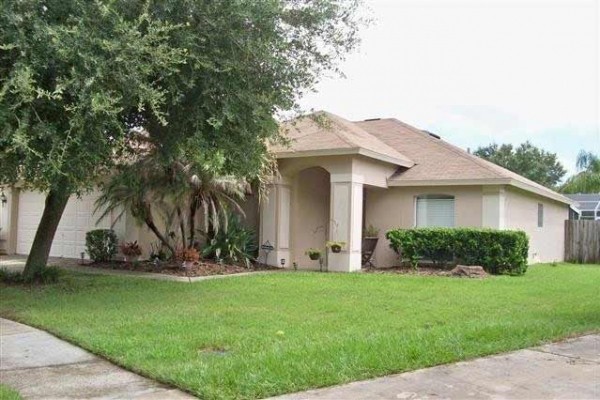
<point x="435" y="211"/>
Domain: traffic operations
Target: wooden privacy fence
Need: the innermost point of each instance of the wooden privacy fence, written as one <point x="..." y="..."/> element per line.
<point x="582" y="241"/>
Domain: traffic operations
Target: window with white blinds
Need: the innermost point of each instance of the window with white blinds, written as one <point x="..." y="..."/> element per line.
<point x="435" y="211"/>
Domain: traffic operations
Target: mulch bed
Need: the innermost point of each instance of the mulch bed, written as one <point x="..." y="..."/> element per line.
<point x="200" y="268"/>
<point x="426" y="271"/>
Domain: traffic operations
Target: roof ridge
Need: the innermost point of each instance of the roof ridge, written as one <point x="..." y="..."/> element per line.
<point x="336" y="120"/>
<point x="455" y="149"/>
<point x="488" y="165"/>
<point x="348" y="139"/>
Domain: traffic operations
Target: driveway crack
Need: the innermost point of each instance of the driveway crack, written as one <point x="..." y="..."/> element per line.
<point x="566" y="356"/>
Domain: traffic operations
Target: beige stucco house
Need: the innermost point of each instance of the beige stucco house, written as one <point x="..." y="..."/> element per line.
<point x="336" y="177"/>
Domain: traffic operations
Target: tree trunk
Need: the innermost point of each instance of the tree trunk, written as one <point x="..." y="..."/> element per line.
<point x="160" y="236"/>
<point x="193" y="208"/>
<point x="181" y="226"/>
<point x="56" y="201"/>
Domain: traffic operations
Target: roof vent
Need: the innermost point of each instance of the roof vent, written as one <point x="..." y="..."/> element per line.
<point x="372" y="119"/>
<point x="432" y="134"/>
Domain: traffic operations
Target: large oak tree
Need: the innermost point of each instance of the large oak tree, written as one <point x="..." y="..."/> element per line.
<point x="76" y="76"/>
<point x="528" y="160"/>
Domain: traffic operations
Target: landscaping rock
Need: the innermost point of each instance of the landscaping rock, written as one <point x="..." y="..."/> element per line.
<point x="469" y="271"/>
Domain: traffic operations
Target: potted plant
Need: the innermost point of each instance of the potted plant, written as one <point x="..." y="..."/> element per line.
<point x="313" y="254"/>
<point x="131" y="250"/>
<point x="369" y="242"/>
<point x="335" y="247"/>
<point x="188" y="257"/>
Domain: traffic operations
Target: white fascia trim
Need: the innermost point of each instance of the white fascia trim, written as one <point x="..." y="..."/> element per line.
<point x="470" y="182"/>
<point x="383" y="157"/>
<point x="449" y="182"/>
<point x="577" y="210"/>
<point x="541" y="192"/>
<point x="345" y="151"/>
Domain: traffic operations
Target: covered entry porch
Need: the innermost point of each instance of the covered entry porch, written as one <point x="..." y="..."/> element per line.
<point x="316" y="200"/>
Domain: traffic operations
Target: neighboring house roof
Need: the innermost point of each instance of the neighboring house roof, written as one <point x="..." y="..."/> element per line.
<point x="427" y="160"/>
<point x="322" y="134"/>
<point x="586" y="201"/>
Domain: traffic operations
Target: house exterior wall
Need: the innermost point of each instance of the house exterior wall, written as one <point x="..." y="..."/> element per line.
<point x="8" y="221"/>
<point x="547" y="243"/>
<point x="392" y="208"/>
<point x="309" y="216"/>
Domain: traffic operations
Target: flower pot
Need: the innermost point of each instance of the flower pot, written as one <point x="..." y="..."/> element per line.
<point x="336" y="248"/>
<point x="314" y="256"/>
<point x="369" y="243"/>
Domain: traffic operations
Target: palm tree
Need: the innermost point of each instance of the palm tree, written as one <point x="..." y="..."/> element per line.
<point x="132" y="190"/>
<point x="177" y="190"/>
<point x="587" y="180"/>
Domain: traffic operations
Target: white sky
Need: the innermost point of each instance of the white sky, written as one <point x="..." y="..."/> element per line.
<point x="478" y="71"/>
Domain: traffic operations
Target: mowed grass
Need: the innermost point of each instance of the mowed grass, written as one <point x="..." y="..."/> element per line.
<point x="261" y="335"/>
<point x="7" y="393"/>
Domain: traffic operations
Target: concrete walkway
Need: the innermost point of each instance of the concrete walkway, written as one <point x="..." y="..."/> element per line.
<point x="565" y="370"/>
<point x="41" y="366"/>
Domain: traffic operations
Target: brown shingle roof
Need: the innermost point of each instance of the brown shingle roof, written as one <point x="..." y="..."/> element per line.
<point x="423" y="158"/>
<point x="323" y="133"/>
<point x="438" y="160"/>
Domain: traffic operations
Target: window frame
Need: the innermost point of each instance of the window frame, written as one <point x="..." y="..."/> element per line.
<point x="434" y="196"/>
<point x="540" y="215"/>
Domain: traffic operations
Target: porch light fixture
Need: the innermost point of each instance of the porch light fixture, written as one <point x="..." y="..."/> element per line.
<point x="3" y="198"/>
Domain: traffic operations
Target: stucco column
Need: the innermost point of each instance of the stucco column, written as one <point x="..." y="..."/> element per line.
<point x="493" y="207"/>
<point x="9" y="219"/>
<point x="346" y="222"/>
<point x="275" y="224"/>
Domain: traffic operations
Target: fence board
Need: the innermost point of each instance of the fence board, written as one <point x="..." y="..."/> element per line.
<point x="582" y="241"/>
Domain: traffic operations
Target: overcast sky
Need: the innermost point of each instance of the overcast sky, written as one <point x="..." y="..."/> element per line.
<point x="478" y="71"/>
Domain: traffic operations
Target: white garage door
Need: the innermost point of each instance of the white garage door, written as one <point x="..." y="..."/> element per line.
<point x="77" y="219"/>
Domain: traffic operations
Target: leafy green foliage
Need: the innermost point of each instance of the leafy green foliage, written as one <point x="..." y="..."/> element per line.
<point x="587" y="180"/>
<point x="234" y="243"/>
<point x="527" y="160"/>
<point x="176" y="192"/>
<point x="101" y="244"/>
<point x="497" y="251"/>
<point x="80" y="80"/>
<point x="70" y="73"/>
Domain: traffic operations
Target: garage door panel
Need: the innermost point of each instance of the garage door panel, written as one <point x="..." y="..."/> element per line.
<point x="77" y="219"/>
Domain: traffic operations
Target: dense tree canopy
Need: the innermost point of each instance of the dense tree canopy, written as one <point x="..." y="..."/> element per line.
<point x="76" y="76"/>
<point x="527" y="160"/>
<point x="587" y="180"/>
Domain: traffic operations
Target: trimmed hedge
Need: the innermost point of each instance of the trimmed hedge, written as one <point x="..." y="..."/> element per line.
<point x="497" y="251"/>
<point x="101" y="244"/>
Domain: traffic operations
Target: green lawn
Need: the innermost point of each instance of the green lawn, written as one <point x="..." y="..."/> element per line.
<point x="261" y="335"/>
<point x="7" y="393"/>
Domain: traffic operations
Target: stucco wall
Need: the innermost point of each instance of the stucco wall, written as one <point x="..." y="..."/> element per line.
<point x="310" y="215"/>
<point x="395" y="208"/>
<point x="546" y="244"/>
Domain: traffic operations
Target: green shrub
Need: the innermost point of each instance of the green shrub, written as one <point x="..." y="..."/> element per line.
<point x="101" y="244"/>
<point x="235" y="245"/>
<point x="497" y="251"/>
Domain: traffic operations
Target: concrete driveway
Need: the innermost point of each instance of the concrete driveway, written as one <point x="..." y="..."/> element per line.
<point x="565" y="370"/>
